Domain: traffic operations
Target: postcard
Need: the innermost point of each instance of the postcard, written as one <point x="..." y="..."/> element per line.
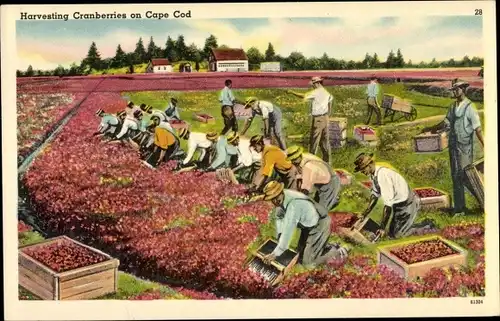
<point x="250" y="160"/>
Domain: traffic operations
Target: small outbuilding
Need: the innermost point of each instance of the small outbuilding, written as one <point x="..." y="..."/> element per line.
<point x="160" y="65"/>
<point x="228" y="60"/>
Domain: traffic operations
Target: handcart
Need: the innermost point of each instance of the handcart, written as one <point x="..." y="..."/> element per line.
<point x="393" y="104"/>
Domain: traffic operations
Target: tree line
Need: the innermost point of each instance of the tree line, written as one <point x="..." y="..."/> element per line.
<point x="177" y="51"/>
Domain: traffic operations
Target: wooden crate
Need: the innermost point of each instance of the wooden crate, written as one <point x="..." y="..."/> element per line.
<point x="242" y="113"/>
<point x="415" y="270"/>
<point x="433" y="202"/>
<point x="79" y="284"/>
<point x="396" y="103"/>
<point x="430" y="143"/>
<point x="356" y="235"/>
<point x="345" y="176"/>
<point x="204" y="118"/>
<point x="337" y="123"/>
<point x="475" y="174"/>
<point x="279" y="266"/>
<point x="178" y="124"/>
<point x="227" y="175"/>
<point x="364" y="133"/>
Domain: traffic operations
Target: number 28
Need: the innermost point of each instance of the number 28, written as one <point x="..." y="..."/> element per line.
<point x="478" y="12"/>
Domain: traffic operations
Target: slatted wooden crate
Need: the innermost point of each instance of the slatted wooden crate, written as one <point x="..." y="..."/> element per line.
<point x="204" y="118"/>
<point x="475" y="175"/>
<point x="364" y="233"/>
<point x="430" y="143"/>
<point x="78" y="284"/>
<point x="364" y="133"/>
<point x="178" y="124"/>
<point x="420" y="269"/>
<point x="345" y="176"/>
<point x="227" y="175"/>
<point x="337" y="123"/>
<point x="439" y="200"/>
<point x="241" y="113"/>
<point x="279" y="267"/>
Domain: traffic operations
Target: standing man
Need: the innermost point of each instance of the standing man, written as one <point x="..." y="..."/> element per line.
<point x="227" y="100"/>
<point x="273" y="161"/>
<point x="321" y="106"/>
<point x="172" y="112"/>
<point x="201" y="142"/>
<point x="372" y="92"/>
<point x="317" y="174"/>
<point x="399" y="199"/>
<point x="296" y="210"/>
<point x="461" y="122"/>
<point x="271" y="115"/>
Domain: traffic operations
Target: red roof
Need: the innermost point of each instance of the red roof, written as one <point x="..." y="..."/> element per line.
<point x="160" y="62"/>
<point x="222" y="54"/>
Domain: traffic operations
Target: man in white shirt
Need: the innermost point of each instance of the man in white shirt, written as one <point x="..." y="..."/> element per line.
<point x="130" y="128"/>
<point x="315" y="174"/>
<point x="296" y="210"/>
<point x="201" y="142"/>
<point x="248" y="160"/>
<point x="399" y="199"/>
<point x="321" y="105"/>
<point x="271" y="115"/>
<point x="461" y="122"/>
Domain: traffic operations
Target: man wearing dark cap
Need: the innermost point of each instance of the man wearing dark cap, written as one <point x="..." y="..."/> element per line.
<point x="399" y="198"/>
<point x="461" y="122"/>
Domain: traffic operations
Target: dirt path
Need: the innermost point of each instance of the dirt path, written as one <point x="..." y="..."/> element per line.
<point x="419" y="121"/>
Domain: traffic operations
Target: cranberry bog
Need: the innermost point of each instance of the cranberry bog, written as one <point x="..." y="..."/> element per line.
<point x="195" y="232"/>
<point x="414" y="259"/>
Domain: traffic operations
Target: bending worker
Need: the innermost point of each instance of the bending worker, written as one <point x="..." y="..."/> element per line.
<point x="130" y="128"/>
<point x="271" y="115"/>
<point x="313" y="172"/>
<point x="248" y="161"/>
<point x="399" y="199"/>
<point x="172" y="112"/>
<point x="203" y="143"/>
<point x="296" y="210"/>
<point x="273" y="160"/>
<point x="462" y="122"/>
<point x="165" y="146"/>
<point x="224" y="152"/>
<point x="110" y="124"/>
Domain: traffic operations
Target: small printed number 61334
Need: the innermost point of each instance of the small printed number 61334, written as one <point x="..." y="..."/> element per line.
<point x="478" y="12"/>
<point x="476" y="301"/>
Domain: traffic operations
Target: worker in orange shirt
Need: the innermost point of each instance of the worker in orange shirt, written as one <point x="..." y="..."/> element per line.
<point x="165" y="144"/>
<point x="274" y="160"/>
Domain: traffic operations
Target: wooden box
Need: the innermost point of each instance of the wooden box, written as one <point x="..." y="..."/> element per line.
<point x="178" y="124"/>
<point x="475" y="175"/>
<point x="241" y="113"/>
<point x="78" y="284"/>
<point x="360" y="233"/>
<point x="337" y="143"/>
<point x="226" y="174"/>
<point x="345" y="177"/>
<point x="337" y="138"/>
<point x="396" y="103"/>
<point x="276" y="271"/>
<point x="435" y="199"/>
<point x="419" y="269"/>
<point x="430" y="143"/>
<point x="204" y="118"/>
<point x="337" y="123"/>
<point x="364" y="133"/>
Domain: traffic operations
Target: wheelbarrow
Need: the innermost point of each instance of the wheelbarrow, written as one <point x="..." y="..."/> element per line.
<point x="393" y="104"/>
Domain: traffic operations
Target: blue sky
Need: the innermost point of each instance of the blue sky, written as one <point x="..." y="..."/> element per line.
<point x="45" y="44"/>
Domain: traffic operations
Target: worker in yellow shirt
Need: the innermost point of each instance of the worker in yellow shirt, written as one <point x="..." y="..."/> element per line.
<point x="165" y="144"/>
<point x="273" y="161"/>
<point x="314" y="173"/>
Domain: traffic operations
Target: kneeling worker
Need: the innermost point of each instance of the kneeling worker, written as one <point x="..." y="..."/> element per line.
<point x="299" y="211"/>
<point x="165" y="145"/>
<point x="204" y="143"/>
<point x="399" y="199"/>
<point x="273" y="160"/>
<point x="224" y="152"/>
<point x="315" y="173"/>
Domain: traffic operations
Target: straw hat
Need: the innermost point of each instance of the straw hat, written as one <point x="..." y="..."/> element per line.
<point x="458" y="84"/>
<point x="316" y="79"/>
<point x="149" y="109"/>
<point x="137" y="113"/>
<point x="362" y="161"/>
<point x="99" y="112"/>
<point x="294" y="152"/>
<point x="212" y="135"/>
<point x="130" y="104"/>
<point x="143" y="107"/>
<point x="272" y="190"/>
<point x="183" y="132"/>
<point x="121" y="113"/>
<point x="232" y="136"/>
<point x="257" y="139"/>
<point x="249" y="101"/>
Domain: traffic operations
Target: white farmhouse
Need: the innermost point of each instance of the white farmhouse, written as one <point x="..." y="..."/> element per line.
<point x="159" y="66"/>
<point x="228" y="60"/>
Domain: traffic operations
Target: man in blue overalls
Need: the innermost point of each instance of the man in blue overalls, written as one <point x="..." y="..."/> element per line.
<point x="461" y="122"/>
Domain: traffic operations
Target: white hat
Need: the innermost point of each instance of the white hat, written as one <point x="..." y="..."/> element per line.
<point x="316" y="79"/>
<point x="456" y="83"/>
